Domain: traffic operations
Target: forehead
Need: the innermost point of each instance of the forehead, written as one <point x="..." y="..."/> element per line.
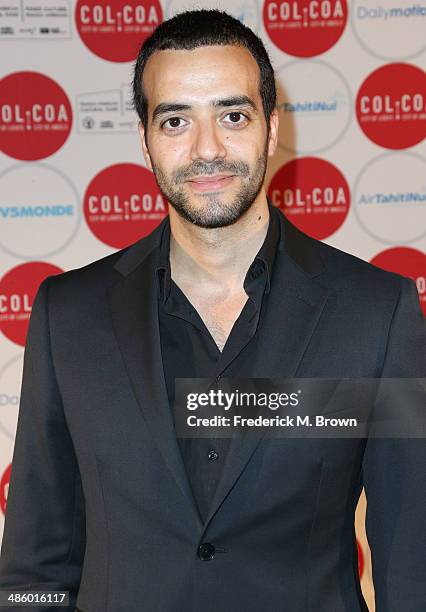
<point x="200" y="74"/>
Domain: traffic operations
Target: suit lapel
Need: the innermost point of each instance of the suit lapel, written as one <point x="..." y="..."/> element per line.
<point x="133" y="305"/>
<point x="294" y="308"/>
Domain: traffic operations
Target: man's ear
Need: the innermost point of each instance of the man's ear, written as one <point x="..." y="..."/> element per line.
<point x="145" y="151"/>
<point x="273" y="132"/>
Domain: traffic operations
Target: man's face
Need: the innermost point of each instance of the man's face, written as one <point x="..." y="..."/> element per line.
<point x="207" y="136"/>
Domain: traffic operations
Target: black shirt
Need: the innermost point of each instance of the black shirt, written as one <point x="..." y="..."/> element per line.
<point x="189" y="351"/>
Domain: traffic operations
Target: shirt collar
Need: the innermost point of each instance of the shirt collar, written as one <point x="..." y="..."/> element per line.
<point x="263" y="261"/>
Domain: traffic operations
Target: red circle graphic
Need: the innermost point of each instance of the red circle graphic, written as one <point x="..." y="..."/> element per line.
<point x="35" y="116"/>
<point x="18" y="288"/>
<point x="4" y="486"/>
<point x="123" y="204"/>
<point x="313" y="194"/>
<point x="360" y="560"/>
<point x="391" y="106"/>
<point x="407" y="262"/>
<point x="305" y="28"/>
<point x="115" y="30"/>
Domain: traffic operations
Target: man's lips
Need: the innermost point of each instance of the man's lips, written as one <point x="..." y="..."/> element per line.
<point x="210" y="183"/>
<point x="206" y="179"/>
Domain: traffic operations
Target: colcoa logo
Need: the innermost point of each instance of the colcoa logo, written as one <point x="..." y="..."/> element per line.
<point x="291" y="25"/>
<point x="105" y="14"/>
<point x="35" y="115"/>
<point x="391" y="107"/>
<point x="313" y="194"/>
<point x="134" y="208"/>
<point x="16" y="303"/>
<point x="396" y="105"/>
<point x="17" y="291"/>
<point x="311" y="11"/>
<point x="309" y="199"/>
<point x="115" y="30"/>
<point x="123" y="203"/>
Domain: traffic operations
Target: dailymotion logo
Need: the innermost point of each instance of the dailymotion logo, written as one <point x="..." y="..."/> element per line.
<point x="383" y="13"/>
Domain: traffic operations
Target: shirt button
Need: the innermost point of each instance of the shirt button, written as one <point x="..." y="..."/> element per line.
<point x="206" y="551"/>
<point x="213" y="455"/>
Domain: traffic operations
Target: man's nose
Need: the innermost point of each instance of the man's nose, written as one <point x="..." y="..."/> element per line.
<point x="208" y="142"/>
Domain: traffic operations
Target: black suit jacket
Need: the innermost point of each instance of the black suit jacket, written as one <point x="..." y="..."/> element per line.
<point x="99" y="502"/>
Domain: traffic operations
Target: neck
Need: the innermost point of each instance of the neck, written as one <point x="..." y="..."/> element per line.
<point x="216" y="260"/>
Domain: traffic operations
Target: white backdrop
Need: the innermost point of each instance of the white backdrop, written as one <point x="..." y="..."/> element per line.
<point x="350" y="168"/>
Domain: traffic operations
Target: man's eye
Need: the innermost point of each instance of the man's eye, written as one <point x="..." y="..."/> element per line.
<point x="174" y="122"/>
<point x="236" y="118"/>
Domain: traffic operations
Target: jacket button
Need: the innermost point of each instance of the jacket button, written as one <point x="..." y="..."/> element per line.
<point x="206" y="551"/>
<point x="213" y="455"/>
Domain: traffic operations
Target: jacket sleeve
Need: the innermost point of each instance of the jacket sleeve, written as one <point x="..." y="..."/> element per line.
<point x="44" y="533"/>
<point x="394" y="475"/>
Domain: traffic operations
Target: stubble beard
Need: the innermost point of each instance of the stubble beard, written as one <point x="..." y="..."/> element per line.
<point x="215" y="212"/>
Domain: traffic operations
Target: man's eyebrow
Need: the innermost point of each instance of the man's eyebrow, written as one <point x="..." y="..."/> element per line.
<point x="175" y="107"/>
<point x="235" y="101"/>
<point x="169" y="107"/>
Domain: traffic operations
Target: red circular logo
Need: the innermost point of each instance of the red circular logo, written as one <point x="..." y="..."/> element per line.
<point x="123" y="204"/>
<point x="360" y="560"/>
<point x="4" y="487"/>
<point x="391" y="106"/>
<point x="313" y="194"/>
<point x="17" y="292"/>
<point x="35" y="116"/>
<point x="305" y="28"/>
<point x="115" y="30"/>
<point x="407" y="262"/>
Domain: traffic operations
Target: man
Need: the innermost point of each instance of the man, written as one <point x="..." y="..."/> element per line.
<point x="105" y="501"/>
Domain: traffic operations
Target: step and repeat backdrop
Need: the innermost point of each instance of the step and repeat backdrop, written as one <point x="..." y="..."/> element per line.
<point x="350" y="168"/>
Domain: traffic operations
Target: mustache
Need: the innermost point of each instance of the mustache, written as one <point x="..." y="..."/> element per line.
<point x="200" y="168"/>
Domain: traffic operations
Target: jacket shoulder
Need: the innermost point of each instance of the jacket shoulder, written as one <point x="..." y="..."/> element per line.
<point x="334" y="265"/>
<point x="97" y="273"/>
<point x="341" y="265"/>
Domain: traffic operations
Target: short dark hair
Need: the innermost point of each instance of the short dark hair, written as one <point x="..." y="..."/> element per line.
<point x="200" y="28"/>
